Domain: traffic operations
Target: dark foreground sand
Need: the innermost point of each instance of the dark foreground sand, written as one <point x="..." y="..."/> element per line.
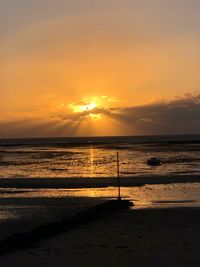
<point x="151" y="237"/>
<point x="28" y="213"/>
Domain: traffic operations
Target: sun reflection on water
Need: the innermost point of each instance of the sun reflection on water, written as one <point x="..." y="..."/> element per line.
<point x="91" y="162"/>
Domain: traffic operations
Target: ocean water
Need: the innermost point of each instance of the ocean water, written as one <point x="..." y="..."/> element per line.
<point x="96" y="157"/>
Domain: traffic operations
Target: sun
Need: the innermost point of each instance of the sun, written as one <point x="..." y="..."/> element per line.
<point x="88" y="107"/>
<point x="81" y="107"/>
<point x="92" y="108"/>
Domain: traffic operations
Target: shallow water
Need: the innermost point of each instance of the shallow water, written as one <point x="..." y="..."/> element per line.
<point x="15" y="203"/>
<point x="96" y="157"/>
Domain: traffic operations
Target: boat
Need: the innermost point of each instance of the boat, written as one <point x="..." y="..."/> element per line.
<point x="153" y="161"/>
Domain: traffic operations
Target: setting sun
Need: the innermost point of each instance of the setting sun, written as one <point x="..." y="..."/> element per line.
<point x="88" y="107"/>
<point x="82" y="106"/>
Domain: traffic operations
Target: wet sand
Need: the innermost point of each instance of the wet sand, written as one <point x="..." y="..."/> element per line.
<point x="94" y="182"/>
<point x="28" y="213"/>
<point x="143" y="237"/>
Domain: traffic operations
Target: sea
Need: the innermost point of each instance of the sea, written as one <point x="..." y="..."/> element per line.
<point x="22" y="209"/>
<point x="96" y="156"/>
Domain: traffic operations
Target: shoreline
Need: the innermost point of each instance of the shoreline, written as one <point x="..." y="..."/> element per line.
<point x="101" y="182"/>
<point x="26" y="208"/>
<point x="167" y="234"/>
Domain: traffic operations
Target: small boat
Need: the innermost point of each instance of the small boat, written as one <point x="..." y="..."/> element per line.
<point x="153" y="161"/>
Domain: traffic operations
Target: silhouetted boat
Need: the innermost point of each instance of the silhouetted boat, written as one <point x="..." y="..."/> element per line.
<point x="153" y="161"/>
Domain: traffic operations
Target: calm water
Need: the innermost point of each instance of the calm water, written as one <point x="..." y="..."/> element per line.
<point x="96" y="157"/>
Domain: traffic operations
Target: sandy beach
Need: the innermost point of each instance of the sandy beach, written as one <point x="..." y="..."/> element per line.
<point x="161" y="229"/>
<point x="26" y="214"/>
<point x="146" y="237"/>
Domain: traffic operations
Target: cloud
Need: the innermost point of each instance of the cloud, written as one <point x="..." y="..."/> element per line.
<point x="178" y="116"/>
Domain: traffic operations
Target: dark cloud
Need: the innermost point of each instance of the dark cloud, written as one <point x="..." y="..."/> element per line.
<point x="180" y="116"/>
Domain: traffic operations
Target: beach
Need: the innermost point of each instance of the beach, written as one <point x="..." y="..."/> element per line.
<point x="146" y="237"/>
<point x="23" y="215"/>
<point x="161" y="229"/>
<point x="45" y="184"/>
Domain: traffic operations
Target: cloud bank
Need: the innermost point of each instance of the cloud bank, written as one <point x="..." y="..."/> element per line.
<point x="179" y="116"/>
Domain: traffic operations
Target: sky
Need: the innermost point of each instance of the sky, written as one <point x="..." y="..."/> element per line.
<point x="99" y="67"/>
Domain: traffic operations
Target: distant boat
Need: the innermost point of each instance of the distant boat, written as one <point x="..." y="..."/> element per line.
<point x="153" y="161"/>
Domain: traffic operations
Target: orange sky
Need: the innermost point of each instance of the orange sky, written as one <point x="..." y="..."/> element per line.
<point x="56" y="52"/>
